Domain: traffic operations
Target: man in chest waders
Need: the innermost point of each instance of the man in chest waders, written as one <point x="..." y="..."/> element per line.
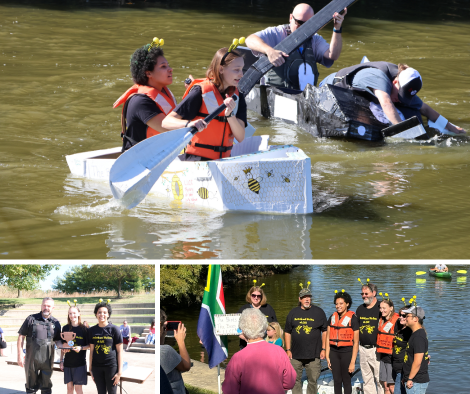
<point x="41" y="331"/>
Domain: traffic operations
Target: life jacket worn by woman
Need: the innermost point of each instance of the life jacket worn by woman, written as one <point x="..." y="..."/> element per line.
<point x="386" y="334"/>
<point x="216" y="141"/>
<point x="341" y="332"/>
<point x="165" y="102"/>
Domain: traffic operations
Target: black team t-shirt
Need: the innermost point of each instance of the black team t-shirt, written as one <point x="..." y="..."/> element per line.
<point x="104" y="340"/>
<point x="418" y="343"/>
<point x="72" y="358"/>
<point x="267" y="310"/>
<point x="345" y="349"/>
<point x="306" y="328"/>
<point x="400" y="341"/>
<point x="368" y="324"/>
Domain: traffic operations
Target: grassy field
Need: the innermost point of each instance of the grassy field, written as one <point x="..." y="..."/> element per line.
<point x="197" y="390"/>
<point x="8" y="303"/>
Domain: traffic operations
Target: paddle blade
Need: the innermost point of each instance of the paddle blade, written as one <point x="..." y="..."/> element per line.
<point x="462" y="272"/>
<point x="135" y="172"/>
<point x="421" y="273"/>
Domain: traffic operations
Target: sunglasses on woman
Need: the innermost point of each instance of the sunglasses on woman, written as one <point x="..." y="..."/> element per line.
<point x="256" y="296"/>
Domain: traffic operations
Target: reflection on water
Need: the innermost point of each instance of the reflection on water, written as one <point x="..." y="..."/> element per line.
<point x="393" y="199"/>
<point x="443" y="302"/>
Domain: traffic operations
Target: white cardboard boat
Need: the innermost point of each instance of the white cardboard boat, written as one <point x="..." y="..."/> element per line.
<point x="258" y="177"/>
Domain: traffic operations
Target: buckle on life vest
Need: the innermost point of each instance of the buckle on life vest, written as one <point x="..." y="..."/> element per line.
<point x="219" y="149"/>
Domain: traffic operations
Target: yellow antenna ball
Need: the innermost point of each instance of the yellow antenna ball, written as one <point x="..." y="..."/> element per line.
<point x="101" y="300"/>
<point x="74" y="300"/>
<point x="386" y="294"/>
<point x="367" y="279"/>
<point x="359" y="279"/>
<point x="263" y="284"/>
<point x="380" y="294"/>
<point x="155" y="39"/>
<point x="109" y="300"/>
<point x="414" y="296"/>
<point x="403" y="299"/>
<point x="254" y="281"/>
<point x="308" y="282"/>
<point x="235" y="41"/>
<point x="336" y="291"/>
<point x="161" y="42"/>
<point x="68" y="302"/>
<point x="342" y="290"/>
<point x="241" y="41"/>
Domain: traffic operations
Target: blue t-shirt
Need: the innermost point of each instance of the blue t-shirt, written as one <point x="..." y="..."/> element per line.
<point x="277" y="342"/>
<point x="125" y="331"/>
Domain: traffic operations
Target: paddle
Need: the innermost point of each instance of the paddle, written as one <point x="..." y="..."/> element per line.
<point x="421" y="273"/>
<point x="462" y="272"/>
<point x="135" y="172"/>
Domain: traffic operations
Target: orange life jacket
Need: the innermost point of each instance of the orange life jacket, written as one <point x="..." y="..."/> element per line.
<point x="386" y="334"/>
<point x="340" y="334"/>
<point x="165" y="102"/>
<point x="216" y="141"/>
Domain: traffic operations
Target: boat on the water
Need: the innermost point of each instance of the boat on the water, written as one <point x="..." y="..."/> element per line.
<point x="442" y="275"/>
<point x="328" y="111"/>
<point x="257" y="177"/>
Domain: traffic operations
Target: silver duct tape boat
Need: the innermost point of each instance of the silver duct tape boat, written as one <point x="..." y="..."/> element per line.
<point x="257" y="177"/>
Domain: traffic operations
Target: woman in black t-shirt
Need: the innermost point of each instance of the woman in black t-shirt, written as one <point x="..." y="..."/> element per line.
<point x="256" y="298"/>
<point x="400" y="341"/>
<point x="73" y="361"/>
<point x="342" y="343"/>
<point x="105" y="340"/>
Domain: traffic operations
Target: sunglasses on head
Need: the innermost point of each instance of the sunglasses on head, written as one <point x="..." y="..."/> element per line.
<point x="256" y="296"/>
<point x="298" y="23"/>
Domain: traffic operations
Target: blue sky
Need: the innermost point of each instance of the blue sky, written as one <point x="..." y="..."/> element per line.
<point x="46" y="284"/>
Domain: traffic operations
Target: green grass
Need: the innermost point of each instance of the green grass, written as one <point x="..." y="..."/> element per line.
<point x="8" y="303"/>
<point x="197" y="390"/>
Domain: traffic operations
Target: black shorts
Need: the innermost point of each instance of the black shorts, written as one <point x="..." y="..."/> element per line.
<point x="78" y="375"/>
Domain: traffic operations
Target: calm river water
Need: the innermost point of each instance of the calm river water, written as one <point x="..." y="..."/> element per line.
<point x="443" y="302"/>
<point x="63" y="66"/>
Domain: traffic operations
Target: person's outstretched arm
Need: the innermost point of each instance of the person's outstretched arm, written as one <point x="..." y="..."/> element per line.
<point x="433" y="115"/>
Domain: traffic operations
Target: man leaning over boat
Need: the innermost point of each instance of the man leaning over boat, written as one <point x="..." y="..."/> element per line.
<point x="297" y="69"/>
<point x="394" y="88"/>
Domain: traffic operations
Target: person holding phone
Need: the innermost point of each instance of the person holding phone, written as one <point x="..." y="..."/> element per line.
<point x="172" y="362"/>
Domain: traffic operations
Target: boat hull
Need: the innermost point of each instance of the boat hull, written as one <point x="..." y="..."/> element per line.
<point x="441" y="275"/>
<point x="259" y="178"/>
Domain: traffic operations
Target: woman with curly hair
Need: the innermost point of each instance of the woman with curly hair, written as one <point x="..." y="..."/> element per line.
<point x="203" y="97"/>
<point x="105" y="365"/>
<point x="149" y="100"/>
<point x="342" y="342"/>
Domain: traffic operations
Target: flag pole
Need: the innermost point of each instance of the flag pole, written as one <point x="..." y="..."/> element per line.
<point x="218" y="378"/>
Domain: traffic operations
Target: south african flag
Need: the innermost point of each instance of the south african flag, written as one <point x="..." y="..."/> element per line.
<point x="213" y="303"/>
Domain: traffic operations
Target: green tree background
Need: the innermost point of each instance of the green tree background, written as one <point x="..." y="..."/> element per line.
<point x="24" y="276"/>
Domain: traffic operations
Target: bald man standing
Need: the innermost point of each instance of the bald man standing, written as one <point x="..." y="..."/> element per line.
<point x="294" y="71"/>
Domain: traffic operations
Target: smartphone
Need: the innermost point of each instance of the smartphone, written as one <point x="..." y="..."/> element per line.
<point x="172" y="325"/>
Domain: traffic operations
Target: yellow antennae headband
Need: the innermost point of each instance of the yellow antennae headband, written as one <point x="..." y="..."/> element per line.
<point x="254" y="283"/>
<point x="156" y="43"/>
<point x="75" y="301"/>
<point x="235" y="43"/>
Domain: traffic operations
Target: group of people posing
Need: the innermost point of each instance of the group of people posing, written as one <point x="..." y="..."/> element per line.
<point x="42" y="333"/>
<point x="391" y="343"/>
<point x="150" y="108"/>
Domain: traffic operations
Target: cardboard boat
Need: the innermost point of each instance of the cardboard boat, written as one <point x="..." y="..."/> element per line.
<point x="257" y="177"/>
<point x="327" y="111"/>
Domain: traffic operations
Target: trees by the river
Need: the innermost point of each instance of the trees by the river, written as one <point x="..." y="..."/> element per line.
<point x="185" y="283"/>
<point x="117" y="277"/>
<point x="24" y="276"/>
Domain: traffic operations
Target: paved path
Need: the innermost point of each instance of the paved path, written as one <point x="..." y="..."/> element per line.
<point x="201" y="376"/>
<point x="12" y="379"/>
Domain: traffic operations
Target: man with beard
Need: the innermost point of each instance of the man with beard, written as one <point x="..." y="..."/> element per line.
<point x="369" y="314"/>
<point x="40" y="331"/>
<point x="305" y="335"/>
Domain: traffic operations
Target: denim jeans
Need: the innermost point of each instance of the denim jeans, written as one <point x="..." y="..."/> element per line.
<point x="399" y="387"/>
<point x="418" y="388"/>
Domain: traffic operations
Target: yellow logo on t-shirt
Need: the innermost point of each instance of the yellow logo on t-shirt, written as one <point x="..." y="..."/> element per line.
<point x="368" y="328"/>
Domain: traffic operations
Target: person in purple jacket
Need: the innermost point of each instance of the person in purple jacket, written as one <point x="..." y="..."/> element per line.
<point x="259" y="368"/>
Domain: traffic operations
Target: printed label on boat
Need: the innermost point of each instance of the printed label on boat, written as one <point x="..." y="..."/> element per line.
<point x="346" y="321"/>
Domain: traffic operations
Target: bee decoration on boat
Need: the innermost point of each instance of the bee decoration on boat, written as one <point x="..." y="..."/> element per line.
<point x="205" y="194"/>
<point x="253" y="183"/>
<point x="286" y="178"/>
<point x="236" y="179"/>
<point x="270" y="173"/>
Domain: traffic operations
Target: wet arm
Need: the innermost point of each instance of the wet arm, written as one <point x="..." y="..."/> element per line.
<point x="432" y="115"/>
